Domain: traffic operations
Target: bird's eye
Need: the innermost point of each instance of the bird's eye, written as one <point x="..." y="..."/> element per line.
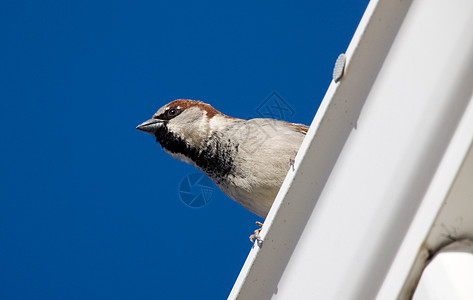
<point x="172" y="112"/>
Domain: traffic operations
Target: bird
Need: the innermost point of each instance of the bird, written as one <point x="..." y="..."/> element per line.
<point x="247" y="159"/>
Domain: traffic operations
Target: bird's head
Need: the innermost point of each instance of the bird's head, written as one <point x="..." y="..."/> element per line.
<point x="182" y="121"/>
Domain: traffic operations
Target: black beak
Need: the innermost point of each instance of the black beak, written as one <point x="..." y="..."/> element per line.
<point x="150" y="126"/>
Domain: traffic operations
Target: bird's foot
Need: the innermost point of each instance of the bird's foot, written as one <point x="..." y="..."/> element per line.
<point x="292" y="160"/>
<point x="255" y="237"/>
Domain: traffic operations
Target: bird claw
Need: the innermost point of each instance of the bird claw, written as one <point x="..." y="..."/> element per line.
<point x="255" y="237"/>
<point x="292" y="160"/>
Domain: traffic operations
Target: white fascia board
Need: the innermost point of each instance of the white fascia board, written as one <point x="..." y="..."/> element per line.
<point x="369" y="156"/>
<point x="445" y="214"/>
<point x="328" y="132"/>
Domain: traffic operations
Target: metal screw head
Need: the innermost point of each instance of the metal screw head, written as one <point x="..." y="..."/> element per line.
<point x="339" y="67"/>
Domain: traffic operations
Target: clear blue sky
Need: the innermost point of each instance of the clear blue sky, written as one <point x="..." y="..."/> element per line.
<point x="89" y="206"/>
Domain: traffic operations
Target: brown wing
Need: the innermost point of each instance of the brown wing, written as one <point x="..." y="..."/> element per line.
<point x="299" y="127"/>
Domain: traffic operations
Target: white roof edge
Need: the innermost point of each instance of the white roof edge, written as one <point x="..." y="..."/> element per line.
<point x="396" y="124"/>
<point x="417" y="247"/>
<point x="327" y="134"/>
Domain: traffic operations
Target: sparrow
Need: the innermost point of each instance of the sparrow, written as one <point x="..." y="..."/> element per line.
<point x="247" y="159"/>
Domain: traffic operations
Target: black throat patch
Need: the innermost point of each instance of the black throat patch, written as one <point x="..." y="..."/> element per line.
<point x="215" y="159"/>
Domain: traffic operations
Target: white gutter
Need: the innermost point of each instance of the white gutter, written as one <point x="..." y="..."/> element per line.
<point x="369" y="157"/>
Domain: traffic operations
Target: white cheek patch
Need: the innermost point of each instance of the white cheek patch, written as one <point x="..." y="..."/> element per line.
<point x="195" y="130"/>
<point x="218" y="123"/>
